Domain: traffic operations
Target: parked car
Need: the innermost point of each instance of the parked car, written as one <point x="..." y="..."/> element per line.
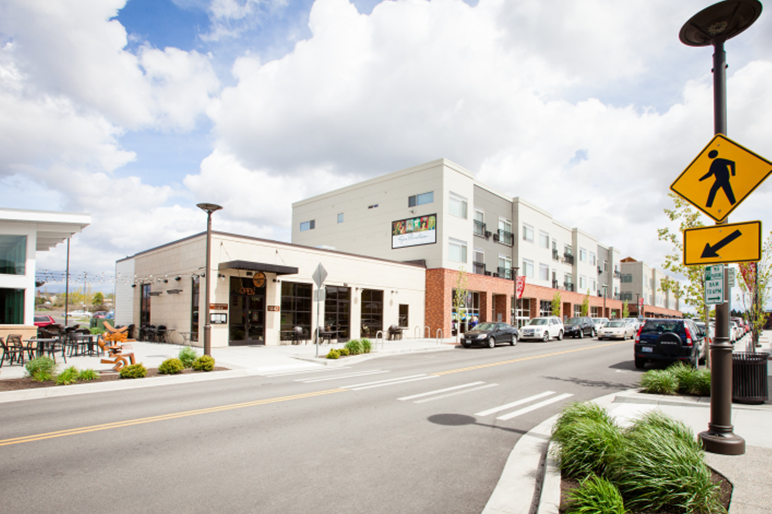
<point x="579" y="327"/>
<point x="100" y="315"/>
<point x="710" y="331"/>
<point x="544" y="328"/>
<point x="79" y="314"/>
<point x="669" y="340"/>
<point x="44" y="321"/>
<point x="600" y="323"/>
<point x="489" y="334"/>
<point x="617" y="329"/>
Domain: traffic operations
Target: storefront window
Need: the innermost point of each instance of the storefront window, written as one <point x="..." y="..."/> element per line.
<point x="404" y="320"/>
<point x="337" y="311"/>
<point x="11" y="306"/>
<point x="13" y="255"/>
<point x="372" y="312"/>
<point x="144" y="306"/>
<point x="296" y="307"/>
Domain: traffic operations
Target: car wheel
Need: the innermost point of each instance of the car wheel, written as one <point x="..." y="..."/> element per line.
<point x="594" y="332"/>
<point x="546" y="337"/>
<point x="491" y="342"/>
<point x="640" y="363"/>
<point x="580" y="334"/>
<point x="560" y="335"/>
<point x="513" y="341"/>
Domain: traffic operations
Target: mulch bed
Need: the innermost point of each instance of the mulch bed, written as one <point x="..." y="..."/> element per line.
<point x="725" y="496"/>
<point x="17" y="384"/>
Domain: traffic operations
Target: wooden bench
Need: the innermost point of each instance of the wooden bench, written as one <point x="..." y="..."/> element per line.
<point x="114" y="353"/>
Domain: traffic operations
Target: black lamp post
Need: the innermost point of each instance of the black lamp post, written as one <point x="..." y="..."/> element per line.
<point x="515" y="269"/>
<point x="209" y="208"/>
<point x="713" y="26"/>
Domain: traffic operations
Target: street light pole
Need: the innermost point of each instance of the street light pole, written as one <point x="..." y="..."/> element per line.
<point x="515" y="269"/>
<point x="714" y="26"/>
<point x="209" y="208"/>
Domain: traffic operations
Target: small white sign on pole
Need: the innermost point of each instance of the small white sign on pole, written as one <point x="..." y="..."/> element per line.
<point x="714" y="284"/>
<point x="731" y="272"/>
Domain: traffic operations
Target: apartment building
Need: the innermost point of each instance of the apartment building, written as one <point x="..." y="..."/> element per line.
<point x="640" y="281"/>
<point x="438" y="214"/>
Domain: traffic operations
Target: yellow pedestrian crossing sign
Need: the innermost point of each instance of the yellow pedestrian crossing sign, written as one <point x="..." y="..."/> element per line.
<point x="721" y="177"/>
<point x="731" y="242"/>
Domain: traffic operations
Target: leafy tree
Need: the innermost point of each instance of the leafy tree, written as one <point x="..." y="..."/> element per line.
<point x="459" y="298"/>
<point x="98" y="299"/>
<point x="586" y="304"/>
<point x="556" y="299"/>
<point x="754" y="281"/>
<point x="625" y="310"/>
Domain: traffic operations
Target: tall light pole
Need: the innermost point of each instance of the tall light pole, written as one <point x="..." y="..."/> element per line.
<point x="209" y="208"/>
<point x="713" y="26"/>
<point x="515" y="269"/>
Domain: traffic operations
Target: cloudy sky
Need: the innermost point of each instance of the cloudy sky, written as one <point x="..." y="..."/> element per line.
<point x="134" y="111"/>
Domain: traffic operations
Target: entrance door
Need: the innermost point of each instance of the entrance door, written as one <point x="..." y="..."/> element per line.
<point x="246" y="313"/>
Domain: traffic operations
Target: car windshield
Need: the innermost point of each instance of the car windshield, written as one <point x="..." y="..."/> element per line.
<point x="485" y="326"/>
<point x="539" y="321"/>
<point x="613" y="324"/>
<point x="573" y="321"/>
<point x="659" y="327"/>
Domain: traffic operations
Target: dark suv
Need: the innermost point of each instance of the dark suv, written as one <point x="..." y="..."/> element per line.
<point x="579" y="327"/>
<point x="669" y="340"/>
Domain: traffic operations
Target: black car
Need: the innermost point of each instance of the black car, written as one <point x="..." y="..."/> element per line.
<point x="579" y="327"/>
<point x="489" y="334"/>
<point x="669" y="340"/>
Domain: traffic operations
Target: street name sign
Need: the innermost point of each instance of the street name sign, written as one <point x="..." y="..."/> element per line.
<point x="721" y="177"/>
<point x="714" y="284"/>
<point x="732" y="242"/>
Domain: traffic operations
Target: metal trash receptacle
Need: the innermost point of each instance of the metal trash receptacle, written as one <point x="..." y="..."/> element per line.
<point x="749" y="377"/>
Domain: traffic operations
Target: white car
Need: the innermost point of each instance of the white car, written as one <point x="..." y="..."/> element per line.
<point x="79" y="314"/>
<point x="617" y="329"/>
<point x="600" y="323"/>
<point x="543" y="329"/>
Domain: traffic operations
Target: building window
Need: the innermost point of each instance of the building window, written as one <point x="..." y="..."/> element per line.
<point x="296" y="308"/>
<point x="544" y="239"/>
<point x="544" y="272"/>
<point x="478" y="263"/>
<point x="11" y="307"/>
<point x="528" y="268"/>
<point x="340" y="217"/>
<point x="505" y="232"/>
<point x="593" y="287"/>
<point x="337" y="311"/>
<point x="457" y="205"/>
<point x="627" y="277"/>
<point x="479" y="223"/>
<point x="457" y="250"/>
<point x="605" y="265"/>
<point x="545" y="308"/>
<point x="13" y="255"/>
<point x="421" y="199"/>
<point x="568" y="282"/>
<point x="527" y="233"/>
<point x="582" y="255"/>
<point x="593" y="260"/>
<point x="582" y="283"/>
<point x="577" y="311"/>
<point x="307" y="225"/>
<point x="505" y="266"/>
<point x="372" y="312"/>
<point x="194" y="306"/>
<point x="144" y="306"/>
<point x="404" y="310"/>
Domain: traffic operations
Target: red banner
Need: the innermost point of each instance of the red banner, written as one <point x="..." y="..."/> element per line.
<point x="520" y="287"/>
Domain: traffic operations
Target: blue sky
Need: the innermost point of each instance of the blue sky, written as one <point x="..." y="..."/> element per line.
<point x="134" y="111"/>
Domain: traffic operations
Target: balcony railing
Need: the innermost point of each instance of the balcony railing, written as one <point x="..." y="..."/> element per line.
<point x="568" y="258"/>
<point x="479" y="268"/>
<point x="617" y="273"/>
<point x="555" y="284"/>
<point x="479" y="228"/>
<point x="568" y="286"/>
<point x="506" y="238"/>
<point x="555" y="255"/>
<point x="505" y="273"/>
<point x="600" y="270"/>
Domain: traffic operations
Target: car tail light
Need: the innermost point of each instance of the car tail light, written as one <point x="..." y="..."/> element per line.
<point x="688" y="336"/>
<point x="638" y="335"/>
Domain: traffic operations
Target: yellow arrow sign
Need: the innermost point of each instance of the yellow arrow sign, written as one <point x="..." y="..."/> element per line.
<point x="721" y="177"/>
<point x="716" y="244"/>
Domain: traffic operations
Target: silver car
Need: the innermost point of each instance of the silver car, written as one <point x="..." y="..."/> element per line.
<point x="617" y="329"/>
<point x="544" y="329"/>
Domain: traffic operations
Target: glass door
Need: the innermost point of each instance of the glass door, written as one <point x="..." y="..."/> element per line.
<point x="246" y="313"/>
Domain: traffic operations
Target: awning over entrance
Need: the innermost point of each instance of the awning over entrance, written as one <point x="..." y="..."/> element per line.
<point x="259" y="266"/>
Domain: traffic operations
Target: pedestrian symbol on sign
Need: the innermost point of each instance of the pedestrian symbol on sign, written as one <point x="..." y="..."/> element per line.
<point x="719" y="168"/>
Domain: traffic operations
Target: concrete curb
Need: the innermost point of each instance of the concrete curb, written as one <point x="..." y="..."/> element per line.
<point x="637" y="397"/>
<point x="345" y="361"/>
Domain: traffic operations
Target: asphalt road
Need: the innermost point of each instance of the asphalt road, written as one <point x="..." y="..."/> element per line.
<point x="415" y="433"/>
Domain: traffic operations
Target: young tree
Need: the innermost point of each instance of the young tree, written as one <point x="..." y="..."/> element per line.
<point x="754" y="281"/>
<point x="586" y="304"/>
<point x="459" y="299"/>
<point x="556" y="299"/>
<point x="98" y="299"/>
<point x="625" y="310"/>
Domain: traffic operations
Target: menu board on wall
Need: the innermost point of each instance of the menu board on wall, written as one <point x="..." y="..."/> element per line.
<point x="421" y="230"/>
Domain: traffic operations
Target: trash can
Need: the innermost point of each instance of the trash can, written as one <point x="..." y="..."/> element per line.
<point x="749" y="377"/>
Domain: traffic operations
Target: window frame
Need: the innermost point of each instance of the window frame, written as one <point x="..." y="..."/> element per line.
<point x="310" y="224"/>
<point x="463" y="248"/>
<point x="455" y="199"/>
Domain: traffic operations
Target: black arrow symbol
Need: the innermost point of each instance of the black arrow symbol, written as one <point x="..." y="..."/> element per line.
<point x="710" y="251"/>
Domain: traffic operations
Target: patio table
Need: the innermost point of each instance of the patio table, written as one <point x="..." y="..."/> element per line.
<point x="45" y="345"/>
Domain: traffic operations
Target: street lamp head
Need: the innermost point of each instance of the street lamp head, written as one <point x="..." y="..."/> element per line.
<point x="720" y="22"/>
<point x="209" y="208"/>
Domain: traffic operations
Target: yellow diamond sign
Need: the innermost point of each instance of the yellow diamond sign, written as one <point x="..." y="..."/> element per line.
<point x="721" y="177"/>
<point x="716" y="244"/>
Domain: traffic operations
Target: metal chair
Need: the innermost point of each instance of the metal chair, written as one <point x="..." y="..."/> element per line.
<point x="11" y="350"/>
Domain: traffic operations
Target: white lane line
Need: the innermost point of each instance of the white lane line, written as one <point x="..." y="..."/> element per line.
<point x="347" y="375"/>
<point x="294" y="372"/>
<point x="382" y="381"/>
<point x="534" y="407"/>
<point x="486" y="386"/>
<point x="515" y="404"/>
<point x="439" y="391"/>
<point x="376" y="384"/>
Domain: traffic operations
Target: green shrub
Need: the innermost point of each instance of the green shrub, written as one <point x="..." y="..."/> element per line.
<point x="204" y="363"/>
<point x="170" y="366"/>
<point x="366" y="346"/>
<point x="95" y="330"/>
<point x="68" y="376"/>
<point x="88" y="374"/>
<point x="41" y="369"/>
<point x="133" y="371"/>
<point x="595" y="495"/>
<point x="701" y="386"/>
<point x="659" y="381"/>
<point x="580" y="410"/>
<point x="343" y="352"/>
<point x="354" y="347"/>
<point x="656" y="421"/>
<point x="661" y="467"/>
<point x="333" y="354"/>
<point x="187" y="356"/>
<point x="588" y="446"/>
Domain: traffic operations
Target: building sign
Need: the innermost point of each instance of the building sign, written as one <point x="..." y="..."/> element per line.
<point x="218" y="318"/>
<point x="421" y="230"/>
<point x="273" y="308"/>
<point x="714" y="284"/>
<point x="218" y="306"/>
<point x="259" y="279"/>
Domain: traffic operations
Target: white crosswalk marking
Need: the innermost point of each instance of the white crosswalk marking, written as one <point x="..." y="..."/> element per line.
<point x="534" y="407"/>
<point x="347" y="375"/>
<point x="391" y="381"/>
<point x="514" y="404"/>
<point x="439" y="391"/>
<point x="425" y="400"/>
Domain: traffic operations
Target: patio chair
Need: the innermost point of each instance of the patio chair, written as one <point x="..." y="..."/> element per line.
<point x="14" y="346"/>
<point x="160" y="336"/>
<point x="11" y="351"/>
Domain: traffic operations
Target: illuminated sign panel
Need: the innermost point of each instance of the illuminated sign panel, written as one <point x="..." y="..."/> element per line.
<point x="421" y="230"/>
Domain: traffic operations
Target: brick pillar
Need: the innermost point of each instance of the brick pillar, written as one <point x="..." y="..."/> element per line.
<point x="439" y="302"/>
<point x="501" y="306"/>
<point x="484" y="309"/>
<point x="533" y="312"/>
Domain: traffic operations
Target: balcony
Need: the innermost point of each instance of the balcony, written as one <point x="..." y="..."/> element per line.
<point x="479" y="228"/>
<point x="617" y="274"/>
<point x="568" y="259"/>
<point x="478" y="268"/>
<point x="506" y="238"/>
<point x="599" y="270"/>
<point x="555" y="255"/>
<point x="568" y="286"/>
<point x="555" y="284"/>
<point x="505" y="273"/>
